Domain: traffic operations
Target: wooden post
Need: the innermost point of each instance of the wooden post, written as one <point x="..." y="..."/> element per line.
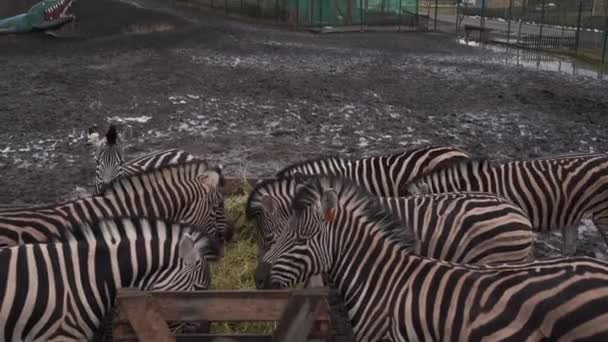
<point x="509" y="14"/>
<point x="144" y="315"/>
<point x="578" y="26"/>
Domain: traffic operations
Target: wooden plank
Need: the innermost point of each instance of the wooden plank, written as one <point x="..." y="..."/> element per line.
<point x="223" y="338"/>
<point x="300" y="315"/>
<point x="143" y="314"/>
<point x="245" y="305"/>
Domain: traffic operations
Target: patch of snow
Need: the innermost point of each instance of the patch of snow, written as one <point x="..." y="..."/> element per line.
<point x="138" y="119"/>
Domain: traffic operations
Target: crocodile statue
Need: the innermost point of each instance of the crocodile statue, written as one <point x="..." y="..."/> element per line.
<point x="43" y="16"/>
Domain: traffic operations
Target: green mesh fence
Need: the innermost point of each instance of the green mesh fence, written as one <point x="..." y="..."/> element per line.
<point x="322" y="12"/>
<point x="353" y="12"/>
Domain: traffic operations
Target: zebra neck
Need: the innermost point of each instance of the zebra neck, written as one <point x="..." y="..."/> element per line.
<point x="366" y="260"/>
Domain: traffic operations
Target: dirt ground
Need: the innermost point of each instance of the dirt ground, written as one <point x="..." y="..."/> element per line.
<point x="256" y="98"/>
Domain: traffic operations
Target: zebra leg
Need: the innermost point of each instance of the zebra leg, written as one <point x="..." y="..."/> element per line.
<point x="569" y="240"/>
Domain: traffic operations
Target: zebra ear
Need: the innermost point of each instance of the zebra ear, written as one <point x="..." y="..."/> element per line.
<point x="186" y="249"/>
<point x="190" y="251"/>
<point x="268" y="204"/>
<point x="417" y="189"/>
<point x="329" y="202"/>
<point x="210" y="178"/>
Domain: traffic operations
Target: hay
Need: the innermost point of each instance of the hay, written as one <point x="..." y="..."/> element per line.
<point x="235" y="270"/>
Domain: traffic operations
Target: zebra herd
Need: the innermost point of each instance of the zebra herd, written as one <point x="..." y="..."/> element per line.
<point x="433" y="245"/>
<point x="428" y="244"/>
<point x="153" y="223"/>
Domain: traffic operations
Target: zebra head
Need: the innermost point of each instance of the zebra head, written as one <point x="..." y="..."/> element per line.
<point x="193" y="269"/>
<point x="269" y="206"/>
<point x="109" y="160"/>
<point x="301" y="250"/>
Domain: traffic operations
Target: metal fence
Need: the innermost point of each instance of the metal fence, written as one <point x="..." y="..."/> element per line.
<point x="321" y="13"/>
<point x="577" y="27"/>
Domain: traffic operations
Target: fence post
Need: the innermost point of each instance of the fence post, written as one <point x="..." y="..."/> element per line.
<point x="436" y="6"/>
<point x="276" y="9"/>
<point x="578" y="26"/>
<point x="297" y="13"/>
<point x="542" y="21"/>
<point x="482" y="20"/>
<point x="400" y="11"/>
<point x="605" y="39"/>
<point x="457" y="12"/>
<point x="321" y="14"/>
<point x="509" y="15"/>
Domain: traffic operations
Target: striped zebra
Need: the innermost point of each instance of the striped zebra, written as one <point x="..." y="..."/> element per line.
<point x="110" y="166"/>
<point x="181" y="193"/>
<point x="108" y="159"/>
<point x="63" y="291"/>
<point x="555" y="193"/>
<point x="393" y="295"/>
<point x="458" y="227"/>
<point x="381" y="175"/>
<point x="110" y="162"/>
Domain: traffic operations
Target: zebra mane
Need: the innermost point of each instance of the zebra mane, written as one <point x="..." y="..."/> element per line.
<point x="284" y="172"/>
<point x="367" y="204"/>
<point x="117" y="183"/>
<point x="477" y="163"/>
<point x="252" y="207"/>
<point x="112" y="136"/>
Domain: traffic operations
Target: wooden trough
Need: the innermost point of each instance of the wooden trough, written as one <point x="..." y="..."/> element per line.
<point x="302" y="315"/>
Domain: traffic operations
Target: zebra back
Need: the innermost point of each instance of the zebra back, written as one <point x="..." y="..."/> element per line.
<point x="64" y="290"/>
<point x="393" y="294"/>
<point x="382" y="175"/>
<point x="187" y="193"/>
<point x="156" y="160"/>
<point x="465" y="228"/>
<point x="182" y="193"/>
<point x="555" y="193"/>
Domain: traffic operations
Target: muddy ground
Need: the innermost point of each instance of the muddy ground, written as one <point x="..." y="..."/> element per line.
<point x="256" y="97"/>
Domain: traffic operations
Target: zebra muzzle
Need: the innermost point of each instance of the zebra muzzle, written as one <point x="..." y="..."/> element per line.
<point x="262" y="276"/>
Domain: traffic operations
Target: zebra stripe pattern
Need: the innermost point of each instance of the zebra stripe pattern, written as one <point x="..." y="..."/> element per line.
<point x="459" y="227"/>
<point x="182" y="193"/>
<point x="381" y="175"/>
<point x="555" y="193"/>
<point x="109" y="159"/>
<point x="63" y="291"/>
<point x="393" y="295"/>
<point x="154" y="161"/>
<point x="465" y="228"/>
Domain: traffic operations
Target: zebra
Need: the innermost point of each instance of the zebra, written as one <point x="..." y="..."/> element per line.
<point x="62" y="291"/>
<point x="555" y="193"/>
<point x="110" y="162"/>
<point x="181" y="193"/>
<point x="458" y="227"/>
<point x="110" y="165"/>
<point x="381" y="175"/>
<point x="392" y="294"/>
<point x="108" y="159"/>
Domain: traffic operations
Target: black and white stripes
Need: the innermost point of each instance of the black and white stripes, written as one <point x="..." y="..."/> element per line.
<point x="555" y="193"/>
<point x="459" y="227"/>
<point x="393" y="295"/>
<point x="381" y="175"/>
<point x="183" y="193"/>
<point x="63" y="290"/>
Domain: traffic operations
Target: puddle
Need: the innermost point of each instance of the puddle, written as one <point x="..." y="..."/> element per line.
<point x="536" y="60"/>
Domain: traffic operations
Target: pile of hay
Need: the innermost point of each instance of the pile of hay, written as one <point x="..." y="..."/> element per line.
<point x="235" y="269"/>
